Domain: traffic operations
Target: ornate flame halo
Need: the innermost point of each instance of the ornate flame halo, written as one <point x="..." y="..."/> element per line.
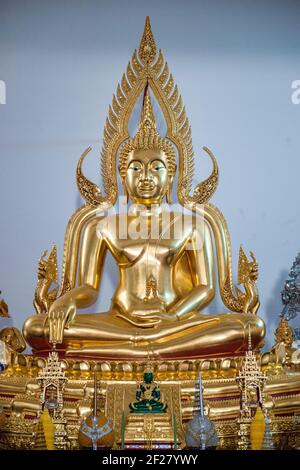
<point x="147" y="68"/>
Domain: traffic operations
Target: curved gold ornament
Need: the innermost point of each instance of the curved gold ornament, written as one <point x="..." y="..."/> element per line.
<point x="88" y="190"/>
<point x="47" y="275"/>
<point x="205" y="190"/>
<point x="4" y="308"/>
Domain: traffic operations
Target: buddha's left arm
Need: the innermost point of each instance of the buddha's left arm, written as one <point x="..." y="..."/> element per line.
<point x="156" y="394"/>
<point x="201" y="260"/>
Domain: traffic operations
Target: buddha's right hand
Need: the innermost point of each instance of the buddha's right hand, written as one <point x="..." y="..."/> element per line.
<point x="150" y="310"/>
<point x="60" y="317"/>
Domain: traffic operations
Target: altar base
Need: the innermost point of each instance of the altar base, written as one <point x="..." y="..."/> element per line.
<point x="20" y="398"/>
<point x="149" y="431"/>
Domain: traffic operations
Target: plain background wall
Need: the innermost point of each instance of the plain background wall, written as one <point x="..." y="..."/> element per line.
<point x="234" y="63"/>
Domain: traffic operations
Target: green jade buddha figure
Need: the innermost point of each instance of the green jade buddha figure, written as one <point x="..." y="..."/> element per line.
<point x="148" y="397"/>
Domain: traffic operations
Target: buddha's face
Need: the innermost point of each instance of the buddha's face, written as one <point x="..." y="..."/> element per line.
<point x="147" y="176"/>
<point x="148" y="377"/>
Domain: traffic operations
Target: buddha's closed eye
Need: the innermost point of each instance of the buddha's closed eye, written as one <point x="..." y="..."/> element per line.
<point x="135" y="166"/>
<point x="157" y="165"/>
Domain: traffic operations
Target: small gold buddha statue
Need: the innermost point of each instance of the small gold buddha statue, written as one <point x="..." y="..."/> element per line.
<point x="148" y="396"/>
<point x="166" y="276"/>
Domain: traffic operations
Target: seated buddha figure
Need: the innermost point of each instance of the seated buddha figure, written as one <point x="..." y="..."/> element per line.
<point x="148" y="397"/>
<point x="165" y="281"/>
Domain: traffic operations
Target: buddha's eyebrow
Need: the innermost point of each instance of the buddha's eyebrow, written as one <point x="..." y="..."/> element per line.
<point x="147" y="161"/>
<point x="134" y="161"/>
<point x="158" y="160"/>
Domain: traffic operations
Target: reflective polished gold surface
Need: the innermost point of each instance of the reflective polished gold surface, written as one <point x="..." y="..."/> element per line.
<point x="167" y="272"/>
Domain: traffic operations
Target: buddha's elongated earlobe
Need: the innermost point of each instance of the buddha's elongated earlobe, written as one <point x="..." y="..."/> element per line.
<point x="125" y="192"/>
<point x="169" y="191"/>
<point x="168" y="195"/>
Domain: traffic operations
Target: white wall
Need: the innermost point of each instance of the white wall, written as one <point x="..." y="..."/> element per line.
<point x="234" y="63"/>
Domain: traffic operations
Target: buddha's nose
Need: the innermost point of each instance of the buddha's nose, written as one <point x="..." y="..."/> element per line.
<point x="146" y="174"/>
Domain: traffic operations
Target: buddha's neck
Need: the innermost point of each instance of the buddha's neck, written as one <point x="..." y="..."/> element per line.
<point x="145" y="210"/>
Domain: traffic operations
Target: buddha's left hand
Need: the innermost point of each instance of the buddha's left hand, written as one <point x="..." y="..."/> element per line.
<point x="151" y="309"/>
<point x="172" y="315"/>
<point x="169" y="316"/>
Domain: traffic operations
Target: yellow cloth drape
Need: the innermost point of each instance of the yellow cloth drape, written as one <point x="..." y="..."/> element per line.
<point x="257" y="430"/>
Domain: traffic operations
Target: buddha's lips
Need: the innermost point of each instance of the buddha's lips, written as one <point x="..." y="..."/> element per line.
<point x="146" y="187"/>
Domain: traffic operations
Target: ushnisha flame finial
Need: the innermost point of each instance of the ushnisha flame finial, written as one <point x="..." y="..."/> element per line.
<point x="147" y="121"/>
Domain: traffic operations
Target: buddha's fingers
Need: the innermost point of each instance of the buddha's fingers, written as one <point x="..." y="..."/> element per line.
<point x="144" y="323"/>
<point x="57" y="320"/>
<point x="70" y="315"/>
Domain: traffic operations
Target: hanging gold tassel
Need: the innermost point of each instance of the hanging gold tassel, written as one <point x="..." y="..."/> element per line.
<point x="48" y="428"/>
<point x="257" y="430"/>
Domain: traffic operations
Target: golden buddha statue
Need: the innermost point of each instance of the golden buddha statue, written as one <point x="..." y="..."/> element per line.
<point x="166" y="275"/>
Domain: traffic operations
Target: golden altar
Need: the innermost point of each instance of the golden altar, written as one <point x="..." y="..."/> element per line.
<point x="20" y="397"/>
<point x="165" y="282"/>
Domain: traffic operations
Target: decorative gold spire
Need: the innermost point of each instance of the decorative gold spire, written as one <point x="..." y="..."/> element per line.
<point x="251" y="371"/>
<point x="53" y="375"/>
<point x="147" y="49"/>
<point x="147" y="120"/>
<point x="251" y="381"/>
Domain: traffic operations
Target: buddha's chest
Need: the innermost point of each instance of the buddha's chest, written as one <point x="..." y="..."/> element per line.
<point x="147" y="391"/>
<point x="155" y="241"/>
<point x="148" y="250"/>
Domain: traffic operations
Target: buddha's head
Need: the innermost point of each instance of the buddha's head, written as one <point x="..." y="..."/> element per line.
<point x="148" y="376"/>
<point x="147" y="162"/>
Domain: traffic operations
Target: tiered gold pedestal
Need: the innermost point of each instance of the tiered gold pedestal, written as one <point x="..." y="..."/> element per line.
<point x="149" y="431"/>
<point x="20" y="397"/>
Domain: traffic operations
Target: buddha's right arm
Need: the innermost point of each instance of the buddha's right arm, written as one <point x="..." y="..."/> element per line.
<point x="63" y="311"/>
<point x="92" y="257"/>
<point x="81" y="297"/>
